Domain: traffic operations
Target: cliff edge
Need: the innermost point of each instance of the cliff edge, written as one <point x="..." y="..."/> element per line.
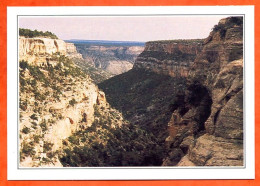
<point x="173" y="57"/>
<point x="206" y="127"/>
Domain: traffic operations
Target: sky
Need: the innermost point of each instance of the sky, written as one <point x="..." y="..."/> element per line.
<point x="123" y="28"/>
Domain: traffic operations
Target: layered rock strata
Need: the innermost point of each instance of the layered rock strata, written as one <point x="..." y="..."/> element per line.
<point x="56" y="100"/>
<point x="41" y="49"/>
<point x="208" y="119"/>
<point x="172" y="57"/>
<point x="113" y="59"/>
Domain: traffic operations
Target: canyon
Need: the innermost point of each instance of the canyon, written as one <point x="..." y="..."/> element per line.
<point x="110" y="56"/>
<point x="203" y="110"/>
<point x="56" y="100"/>
<point x="172" y="58"/>
<point x="169" y="103"/>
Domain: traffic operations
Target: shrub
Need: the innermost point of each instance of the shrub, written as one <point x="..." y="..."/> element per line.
<point x="50" y="155"/>
<point x="47" y="146"/>
<point x="23" y="105"/>
<point x="72" y="102"/>
<point x="23" y="64"/>
<point x="26" y="130"/>
<point x="36" y="138"/>
<point x="43" y="125"/>
<point x="27" y="149"/>
<point x="73" y="139"/>
<point x="35" y="33"/>
<point x="34" y="123"/>
<point x="34" y="117"/>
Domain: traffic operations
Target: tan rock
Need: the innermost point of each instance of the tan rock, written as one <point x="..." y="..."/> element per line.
<point x="215" y="151"/>
<point x="169" y="57"/>
<point x="118" y="67"/>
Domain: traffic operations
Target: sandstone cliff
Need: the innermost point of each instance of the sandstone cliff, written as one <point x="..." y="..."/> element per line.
<point x="172" y="58"/>
<point x="72" y="51"/>
<point x="207" y="122"/>
<point x="111" y="58"/>
<point x="41" y="49"/>
<point x="57" y="99"/>
<point x="188" y="90"/>
<point x="193" y="91"/>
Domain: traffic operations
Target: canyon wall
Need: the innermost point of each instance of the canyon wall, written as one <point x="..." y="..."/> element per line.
<point x="40" y="49"/>
<point x="173" y="57"/>
<point x="111" y="58"/>
<point x="57" y="99"/>
<point x="206" y="126"/>
<point x="207" y="122"/>
<point x="72" y="51"/>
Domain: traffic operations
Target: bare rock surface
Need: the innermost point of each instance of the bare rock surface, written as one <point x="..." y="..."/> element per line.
<point x="118" y="67"/>
<point x="172" y="57"/>
<point x="211" y="110"/>
<point x="39" y="49"/>
<point x="111" y="58"/>
<point x="214" y="151"/>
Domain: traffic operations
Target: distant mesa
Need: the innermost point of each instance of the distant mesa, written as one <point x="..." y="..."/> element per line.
<point x="106" y="42"/>
<point x="115" y="57"/>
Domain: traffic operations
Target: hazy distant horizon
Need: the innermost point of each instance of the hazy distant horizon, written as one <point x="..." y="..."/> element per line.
<point x="102" y="40"/>
<point x="123" y="28"/>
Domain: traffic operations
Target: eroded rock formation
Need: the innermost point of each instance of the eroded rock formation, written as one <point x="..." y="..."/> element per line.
<point x="172" y="58"/>
<point x="113" y="59"/>
<point x="72" y="51"/>
<point x="211" y="112"/>
<point x="56" y="100"/>
<point x="40" y="49"/>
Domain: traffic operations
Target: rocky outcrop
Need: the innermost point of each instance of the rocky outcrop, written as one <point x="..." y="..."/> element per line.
<point x="226" y="119"/>
<point x="56" y="100"/>
<point x="113" y="59"/>
<point x="40" y="50"/>
<point x="207" y="119"/>
<point x="202" y="101"/>
<point x="172" y="58"/>
<point x="59" y="118"/>
<point x="72" y="51"/>
<point x="209" y="150"/>
<point x="118" y="67"/>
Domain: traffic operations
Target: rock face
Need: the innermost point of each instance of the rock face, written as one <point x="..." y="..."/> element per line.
<point x="203" y="111"/>
<point x="210" y="113"/>
<point x="56" y="100"/>
<point x="113" y="59"/>
<point x="172" y="58"/>
<point x="72" y="51"/>
<point x="209" y="150"/>
<point x="118" y="67"/>
<point x="38" y="49"/>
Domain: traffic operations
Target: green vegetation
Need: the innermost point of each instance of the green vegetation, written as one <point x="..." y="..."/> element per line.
<point x="54" y="79"/>
<point x="138" y="94"/>
<point x="43" y="126"/>
<point x="72" y="102"/>
<point x="104" y="145"/>
<point x="26" y="130"/>
<point x="34" y="117"/>
<point x="27" y="149"/>
<point x="96" y="74"/>
<point x="47" y="146"/>
<point x="36" y="138"/>
<point x="35" y="33"/>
